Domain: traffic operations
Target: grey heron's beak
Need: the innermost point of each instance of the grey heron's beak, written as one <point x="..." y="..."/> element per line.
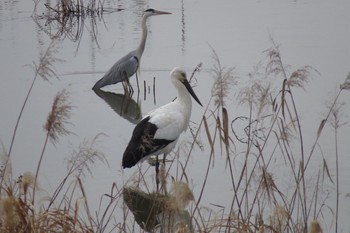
<point x="190" y="90"/>
<point x="161" y="12"/>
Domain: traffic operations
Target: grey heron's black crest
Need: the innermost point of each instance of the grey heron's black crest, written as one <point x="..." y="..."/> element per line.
<point x="150" y="10"/>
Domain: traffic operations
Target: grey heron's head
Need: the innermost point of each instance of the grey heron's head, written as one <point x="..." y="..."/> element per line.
<point x="151" y="12"/>
<point x="179" y="77"/>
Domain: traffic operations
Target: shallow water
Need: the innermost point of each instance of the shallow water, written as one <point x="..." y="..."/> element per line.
<point x="313" y="33"/>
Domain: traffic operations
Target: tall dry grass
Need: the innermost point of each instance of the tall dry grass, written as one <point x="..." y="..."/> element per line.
<point x="23" y="207"/>
<point x="273" y="131"/>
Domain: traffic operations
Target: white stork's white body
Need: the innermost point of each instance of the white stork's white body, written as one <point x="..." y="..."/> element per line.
<point x="158" y="131"/>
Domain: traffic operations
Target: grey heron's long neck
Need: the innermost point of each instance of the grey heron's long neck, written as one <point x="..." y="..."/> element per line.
<point x="141" y="47"/>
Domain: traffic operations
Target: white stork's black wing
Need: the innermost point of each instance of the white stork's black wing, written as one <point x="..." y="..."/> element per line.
<point x="142" y="143"/>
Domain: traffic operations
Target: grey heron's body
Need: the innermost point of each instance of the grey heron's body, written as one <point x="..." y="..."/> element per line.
<point x="121" y="71"/>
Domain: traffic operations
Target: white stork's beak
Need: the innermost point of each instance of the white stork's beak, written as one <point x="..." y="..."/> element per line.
<point x="190" y="90"/>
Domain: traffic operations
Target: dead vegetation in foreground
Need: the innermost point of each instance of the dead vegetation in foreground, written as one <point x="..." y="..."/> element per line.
<point x="259" y="203"/>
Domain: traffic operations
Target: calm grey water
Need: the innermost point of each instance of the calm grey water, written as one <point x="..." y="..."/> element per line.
<point x="314" y="33"/>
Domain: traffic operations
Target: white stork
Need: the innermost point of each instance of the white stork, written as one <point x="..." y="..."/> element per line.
<point x="158" y="131"/>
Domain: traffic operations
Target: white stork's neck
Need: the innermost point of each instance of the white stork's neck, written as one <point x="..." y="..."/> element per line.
<point x="184" y="96"/>
<point x="141" y="47"/>
<point x="185" y="101"/>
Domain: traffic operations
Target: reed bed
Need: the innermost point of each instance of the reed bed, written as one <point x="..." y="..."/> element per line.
<point x="273" y="132"/>
<point x="67" y="19"/>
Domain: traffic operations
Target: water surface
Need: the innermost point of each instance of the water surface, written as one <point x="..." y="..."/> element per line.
<point x="313" y="33"/>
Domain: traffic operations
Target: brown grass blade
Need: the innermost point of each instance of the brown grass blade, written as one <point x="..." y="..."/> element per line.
<point x="320" y="128"/>
<point x="208" y="133"/>
<point x="85" y="200"/>
<point x="274" y="105"/>
<point x="325" y="169"/>
<point x="219" y="127"/>
<point x="225" y="125"/>
<point x="76" y="210"/>
<point x="283" y="96"/>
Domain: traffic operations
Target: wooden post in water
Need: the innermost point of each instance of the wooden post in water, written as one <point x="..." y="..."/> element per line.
<point x="154" y="90"/>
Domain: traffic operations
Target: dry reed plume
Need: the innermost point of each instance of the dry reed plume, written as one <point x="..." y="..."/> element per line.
<point x="179" y="196"/>
<point x="57" y="119"/>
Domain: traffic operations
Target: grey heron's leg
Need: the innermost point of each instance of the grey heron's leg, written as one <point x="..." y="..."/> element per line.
<point x="125" y="87"/>
<point x="130" y="92"/>
<point x="137" y="82"/>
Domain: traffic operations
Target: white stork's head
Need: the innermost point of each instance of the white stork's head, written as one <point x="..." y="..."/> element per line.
<point x="179" y="79"/>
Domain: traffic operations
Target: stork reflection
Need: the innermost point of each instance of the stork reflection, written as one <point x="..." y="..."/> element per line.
<point x="123" y="104"/>
<point x="156" y="212"/>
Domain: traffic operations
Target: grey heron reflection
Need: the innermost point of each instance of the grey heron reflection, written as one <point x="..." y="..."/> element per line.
<point x="122" y="104"/>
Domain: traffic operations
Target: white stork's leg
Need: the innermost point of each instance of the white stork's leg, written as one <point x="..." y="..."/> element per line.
<point x="157" y="173"/>
<point x="164" y="156"/>
<point x="163" y="175"/>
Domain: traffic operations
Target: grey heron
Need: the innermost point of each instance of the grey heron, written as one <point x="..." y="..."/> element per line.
<point x="128" y="65"/>
<point x="159" y="130"/>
